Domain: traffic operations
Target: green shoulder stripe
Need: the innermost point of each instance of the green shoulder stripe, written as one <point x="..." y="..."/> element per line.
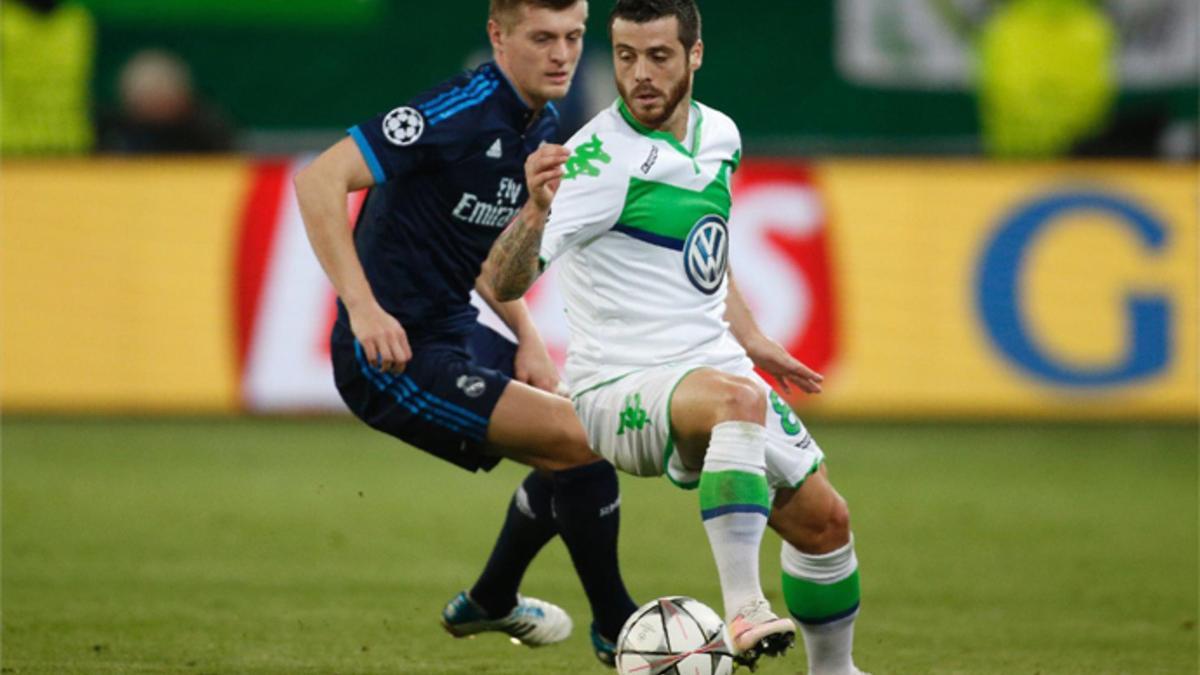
<point x="671" y="211"/>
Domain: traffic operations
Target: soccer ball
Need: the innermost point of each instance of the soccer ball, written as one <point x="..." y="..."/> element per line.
<point x="674" y="636"/>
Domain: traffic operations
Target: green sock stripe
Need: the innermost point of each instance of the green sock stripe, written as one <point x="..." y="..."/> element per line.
<point x="814" y="603"/>
<point x="726" y="488"/>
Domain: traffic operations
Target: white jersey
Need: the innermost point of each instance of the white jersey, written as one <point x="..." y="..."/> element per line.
<point x="639" y="228"/>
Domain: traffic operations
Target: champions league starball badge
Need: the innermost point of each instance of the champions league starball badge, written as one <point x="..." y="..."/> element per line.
<point x="403" y="126"/>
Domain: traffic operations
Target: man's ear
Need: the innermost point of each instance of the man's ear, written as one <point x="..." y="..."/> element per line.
<point x="495" y="35"/>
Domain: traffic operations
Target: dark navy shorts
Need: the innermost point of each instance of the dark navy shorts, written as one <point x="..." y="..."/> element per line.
<point x="443" y="400"/>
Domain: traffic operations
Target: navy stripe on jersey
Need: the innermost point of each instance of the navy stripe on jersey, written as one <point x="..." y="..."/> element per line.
<point x="650" y="237"/>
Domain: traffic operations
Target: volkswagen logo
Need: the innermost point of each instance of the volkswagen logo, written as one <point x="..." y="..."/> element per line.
<point x="706" y="254"/>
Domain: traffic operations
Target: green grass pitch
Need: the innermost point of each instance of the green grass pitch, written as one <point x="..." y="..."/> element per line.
<point x="319" y="546"/>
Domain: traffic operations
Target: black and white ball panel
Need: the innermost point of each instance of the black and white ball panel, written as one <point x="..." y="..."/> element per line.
<point x="674" y="636"/>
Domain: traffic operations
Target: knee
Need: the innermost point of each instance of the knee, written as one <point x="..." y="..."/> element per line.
<point x="831" y="531"/>
<point x="819" y="531"/>
<point x="837" y="526"/>
<point x="740" y="400"/>
<point x="568" y="447"/>
<point x="571" y="449"/>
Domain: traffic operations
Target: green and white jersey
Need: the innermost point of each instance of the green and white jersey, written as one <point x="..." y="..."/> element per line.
<point x="639" y="230"/>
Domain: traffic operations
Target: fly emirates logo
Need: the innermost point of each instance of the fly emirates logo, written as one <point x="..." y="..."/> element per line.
<point x="471" y="209"/>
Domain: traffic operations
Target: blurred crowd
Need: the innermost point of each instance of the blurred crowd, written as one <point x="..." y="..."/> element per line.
<point x="46" y="72"/>
<point x="1045" y="78"/>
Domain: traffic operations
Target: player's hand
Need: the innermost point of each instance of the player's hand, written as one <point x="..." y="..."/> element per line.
<point x="534" y="367"/>
<point x="544" y="172"/>
<point x="384" y="342"/>
<point x="787" y="370"/>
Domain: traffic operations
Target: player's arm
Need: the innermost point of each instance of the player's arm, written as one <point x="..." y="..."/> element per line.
<point x="512" y="265"/>
<point x="321" y="190"/>
<point x="532" y="364"/>
<point x="766" y="353"/>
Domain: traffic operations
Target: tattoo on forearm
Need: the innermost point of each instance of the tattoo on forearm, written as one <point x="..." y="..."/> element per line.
<point x="514" y="259"/>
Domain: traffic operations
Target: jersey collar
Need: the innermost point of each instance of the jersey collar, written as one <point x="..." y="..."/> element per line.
<point x="664" y="135"/>
<point x="516" y="110"/>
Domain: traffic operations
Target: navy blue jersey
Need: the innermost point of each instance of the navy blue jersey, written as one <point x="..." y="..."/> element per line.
<point x="449" y="169"/>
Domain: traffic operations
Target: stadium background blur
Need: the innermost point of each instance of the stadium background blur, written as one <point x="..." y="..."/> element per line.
<point x="978" y="218"/>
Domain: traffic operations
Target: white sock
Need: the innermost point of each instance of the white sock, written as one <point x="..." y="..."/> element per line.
<point x="828" y="582"/>
<point x="735" y="504"/>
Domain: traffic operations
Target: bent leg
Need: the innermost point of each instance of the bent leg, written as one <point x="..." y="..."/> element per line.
<point x="706" y="398"/>
<point x="718" y="421"/>
<point x="542" y="430"/>
<point x="538" y="429"/>
<point x="820" y="571"/>
<point x="528" y="526"/>
<point x="813" y="518"/>
<point x="470" y="415"/>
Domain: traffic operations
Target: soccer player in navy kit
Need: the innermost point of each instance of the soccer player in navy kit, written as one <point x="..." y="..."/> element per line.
<point x="447" y="171"/>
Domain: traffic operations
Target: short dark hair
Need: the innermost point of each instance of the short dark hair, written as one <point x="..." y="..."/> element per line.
<point x="645" y="11"/>
<point x="504" y="10"/>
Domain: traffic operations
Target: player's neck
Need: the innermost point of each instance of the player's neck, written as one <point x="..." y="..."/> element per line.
<point x="677" y="123"/>
<point x="532" y="102"/>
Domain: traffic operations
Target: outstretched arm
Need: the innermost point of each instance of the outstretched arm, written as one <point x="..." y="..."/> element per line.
<point x="766" y="353"/>
<point x="512" y="265"/>
<point x="321" y="189"/>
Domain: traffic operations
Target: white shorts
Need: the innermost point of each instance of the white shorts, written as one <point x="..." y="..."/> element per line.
<point x="628" y="423"/>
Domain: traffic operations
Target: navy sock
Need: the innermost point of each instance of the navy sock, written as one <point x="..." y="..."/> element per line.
<point x="587" y="511"/>
<point x="528" y="526"/>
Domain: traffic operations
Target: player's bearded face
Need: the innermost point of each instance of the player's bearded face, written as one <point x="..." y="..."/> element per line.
<point x="653" y="104"/>
<point x="654" y="70"/>
<point x="540" y="48"/>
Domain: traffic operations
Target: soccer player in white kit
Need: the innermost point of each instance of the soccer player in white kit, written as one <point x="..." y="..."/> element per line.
<point x="663" y="346"/>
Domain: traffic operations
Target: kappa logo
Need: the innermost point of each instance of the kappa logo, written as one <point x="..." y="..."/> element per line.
<point x="496" y="151"/>
<point x="580" y="163"/>
<point x="633" y="416"/>
<point x="706" y="254"/>
<point x="403" y="126"/>
<point x="471" y="385"/>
